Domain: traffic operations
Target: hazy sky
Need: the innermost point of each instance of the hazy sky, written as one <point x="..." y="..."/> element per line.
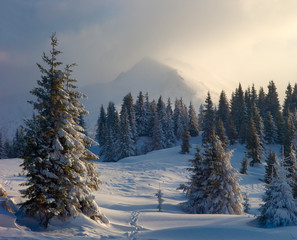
<point x="247" y="41"/>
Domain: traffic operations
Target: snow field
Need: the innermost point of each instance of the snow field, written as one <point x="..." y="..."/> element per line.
<point x="127" y="198"/>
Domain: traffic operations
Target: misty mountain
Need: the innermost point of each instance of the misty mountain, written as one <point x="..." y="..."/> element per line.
<point x="147" y="75"/>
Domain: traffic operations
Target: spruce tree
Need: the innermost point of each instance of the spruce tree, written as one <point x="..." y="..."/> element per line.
<point x="288" y="103"/>
<point x="279" y="208"/>
<point x="185" y="147"/>
<point x="244" y="166"/>
<point x="254" y="144"/>
<point x="158" y="140"/>
<point x="209" y="117"/>
<point x="238" y="112"/>
<point x="231" y="132"/>
<point x="194" y="188"/>
<point x="270" y="129"/>
<point x="270" y="170"/>
<point x="193" y="121"/>
<point x="126" y="141"/>
<point x="200" y="117"/>
<point x="214" y="189"/>
<point x="128" y="104"/>
<point x="246" y="205"/>
<point x="18" y="143"/>
<point x="220" y="131"/>
<point x="60" y="175"/>
<point x="159" y="196"/>
<point x="273" y="106"/>
<point x="223" y="112"/>
<point x="101" y="130"/>
<point x="140" y="116"/>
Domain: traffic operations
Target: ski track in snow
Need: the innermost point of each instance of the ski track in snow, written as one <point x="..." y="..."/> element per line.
<point x="133" y="222"/>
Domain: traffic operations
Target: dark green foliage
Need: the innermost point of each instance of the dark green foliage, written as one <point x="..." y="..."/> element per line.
<point x="209" y="119"/>
<point x="246" y="205"/>
<point x="270" y="129"/>
<point x="60" y="175"/>
<point x="185" y="147"/>
<point x="270" y="170"/>
<point x="220" y="131"/>
<point x="193" y="121"/>
<point x="238" y="113"/>
<point x="254" y="144"/>
<point x="244" y="166"/>
<point x="223" y="112"/>
<point x="159" y="196"/>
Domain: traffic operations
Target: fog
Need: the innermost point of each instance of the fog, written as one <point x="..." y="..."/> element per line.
<point x="247" y="41"/>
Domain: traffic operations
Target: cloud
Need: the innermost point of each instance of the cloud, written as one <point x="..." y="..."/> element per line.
<point x="238" y="40"/>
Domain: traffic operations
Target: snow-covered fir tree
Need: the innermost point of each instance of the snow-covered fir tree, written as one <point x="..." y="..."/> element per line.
<point x="214" y="187"/>
<point x="238" y="112"/>
<point x="60" y="174"/>
<point x="220" y="131"/>
<point x="288" y="103"/>
<point x="270" y="129"/>
<point x="254" y="144"/>
<point x="160" y="199"/>
<point x="270" y="170"/>
<point x="101" y="130"/>
<point x="194" y="188"/>
<point x="128" y="104"/>
<point x="162" y="117"/>
<point x="280" y="207"/>
<point x="273" y="106"/>
<point x="231" y="132"/>
<point x="141" y="119"/>
<point x="246" y="205"/>
<point x="158" y="140"/>
<point x="185" y="146"/>
<point x="200" y="117"/>
<point x="110" y="148"/>
<point x="180" y="118"/>
<point x="244" y="166"/>
<point x="209" y="118"/>
<point x="125" y="141"/>
<point x="223" y="112"/>
<point x="18" y="143"/>
<point x="289" y="134"/>
<point x="193" y="121"/>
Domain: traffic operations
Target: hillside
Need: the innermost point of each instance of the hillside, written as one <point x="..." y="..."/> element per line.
<point x="127" y="198"/>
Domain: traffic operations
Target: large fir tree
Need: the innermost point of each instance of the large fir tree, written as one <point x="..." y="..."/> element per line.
<point x="60" y="174"/>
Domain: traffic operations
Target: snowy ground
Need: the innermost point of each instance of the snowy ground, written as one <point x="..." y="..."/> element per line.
<point x="127" y="198"/>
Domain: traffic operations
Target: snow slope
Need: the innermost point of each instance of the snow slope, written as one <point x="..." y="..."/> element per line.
<point x="127" y="198"/>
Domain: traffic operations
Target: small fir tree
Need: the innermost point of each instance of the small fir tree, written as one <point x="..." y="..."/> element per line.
<point x="279" y="208"/>
<point x="246" y="205"/>
<point x="254" y="144"/>
<point x="208" y="121"/>
<point x="185" y="147"/>
<point x="270" y="170"/>
<point x="244" y="166"/>
<point x="159" y="196"/>
<point x="193" y="121"/>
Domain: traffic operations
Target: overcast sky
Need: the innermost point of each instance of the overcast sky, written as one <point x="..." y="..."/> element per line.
<point x="247" y="41"/>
